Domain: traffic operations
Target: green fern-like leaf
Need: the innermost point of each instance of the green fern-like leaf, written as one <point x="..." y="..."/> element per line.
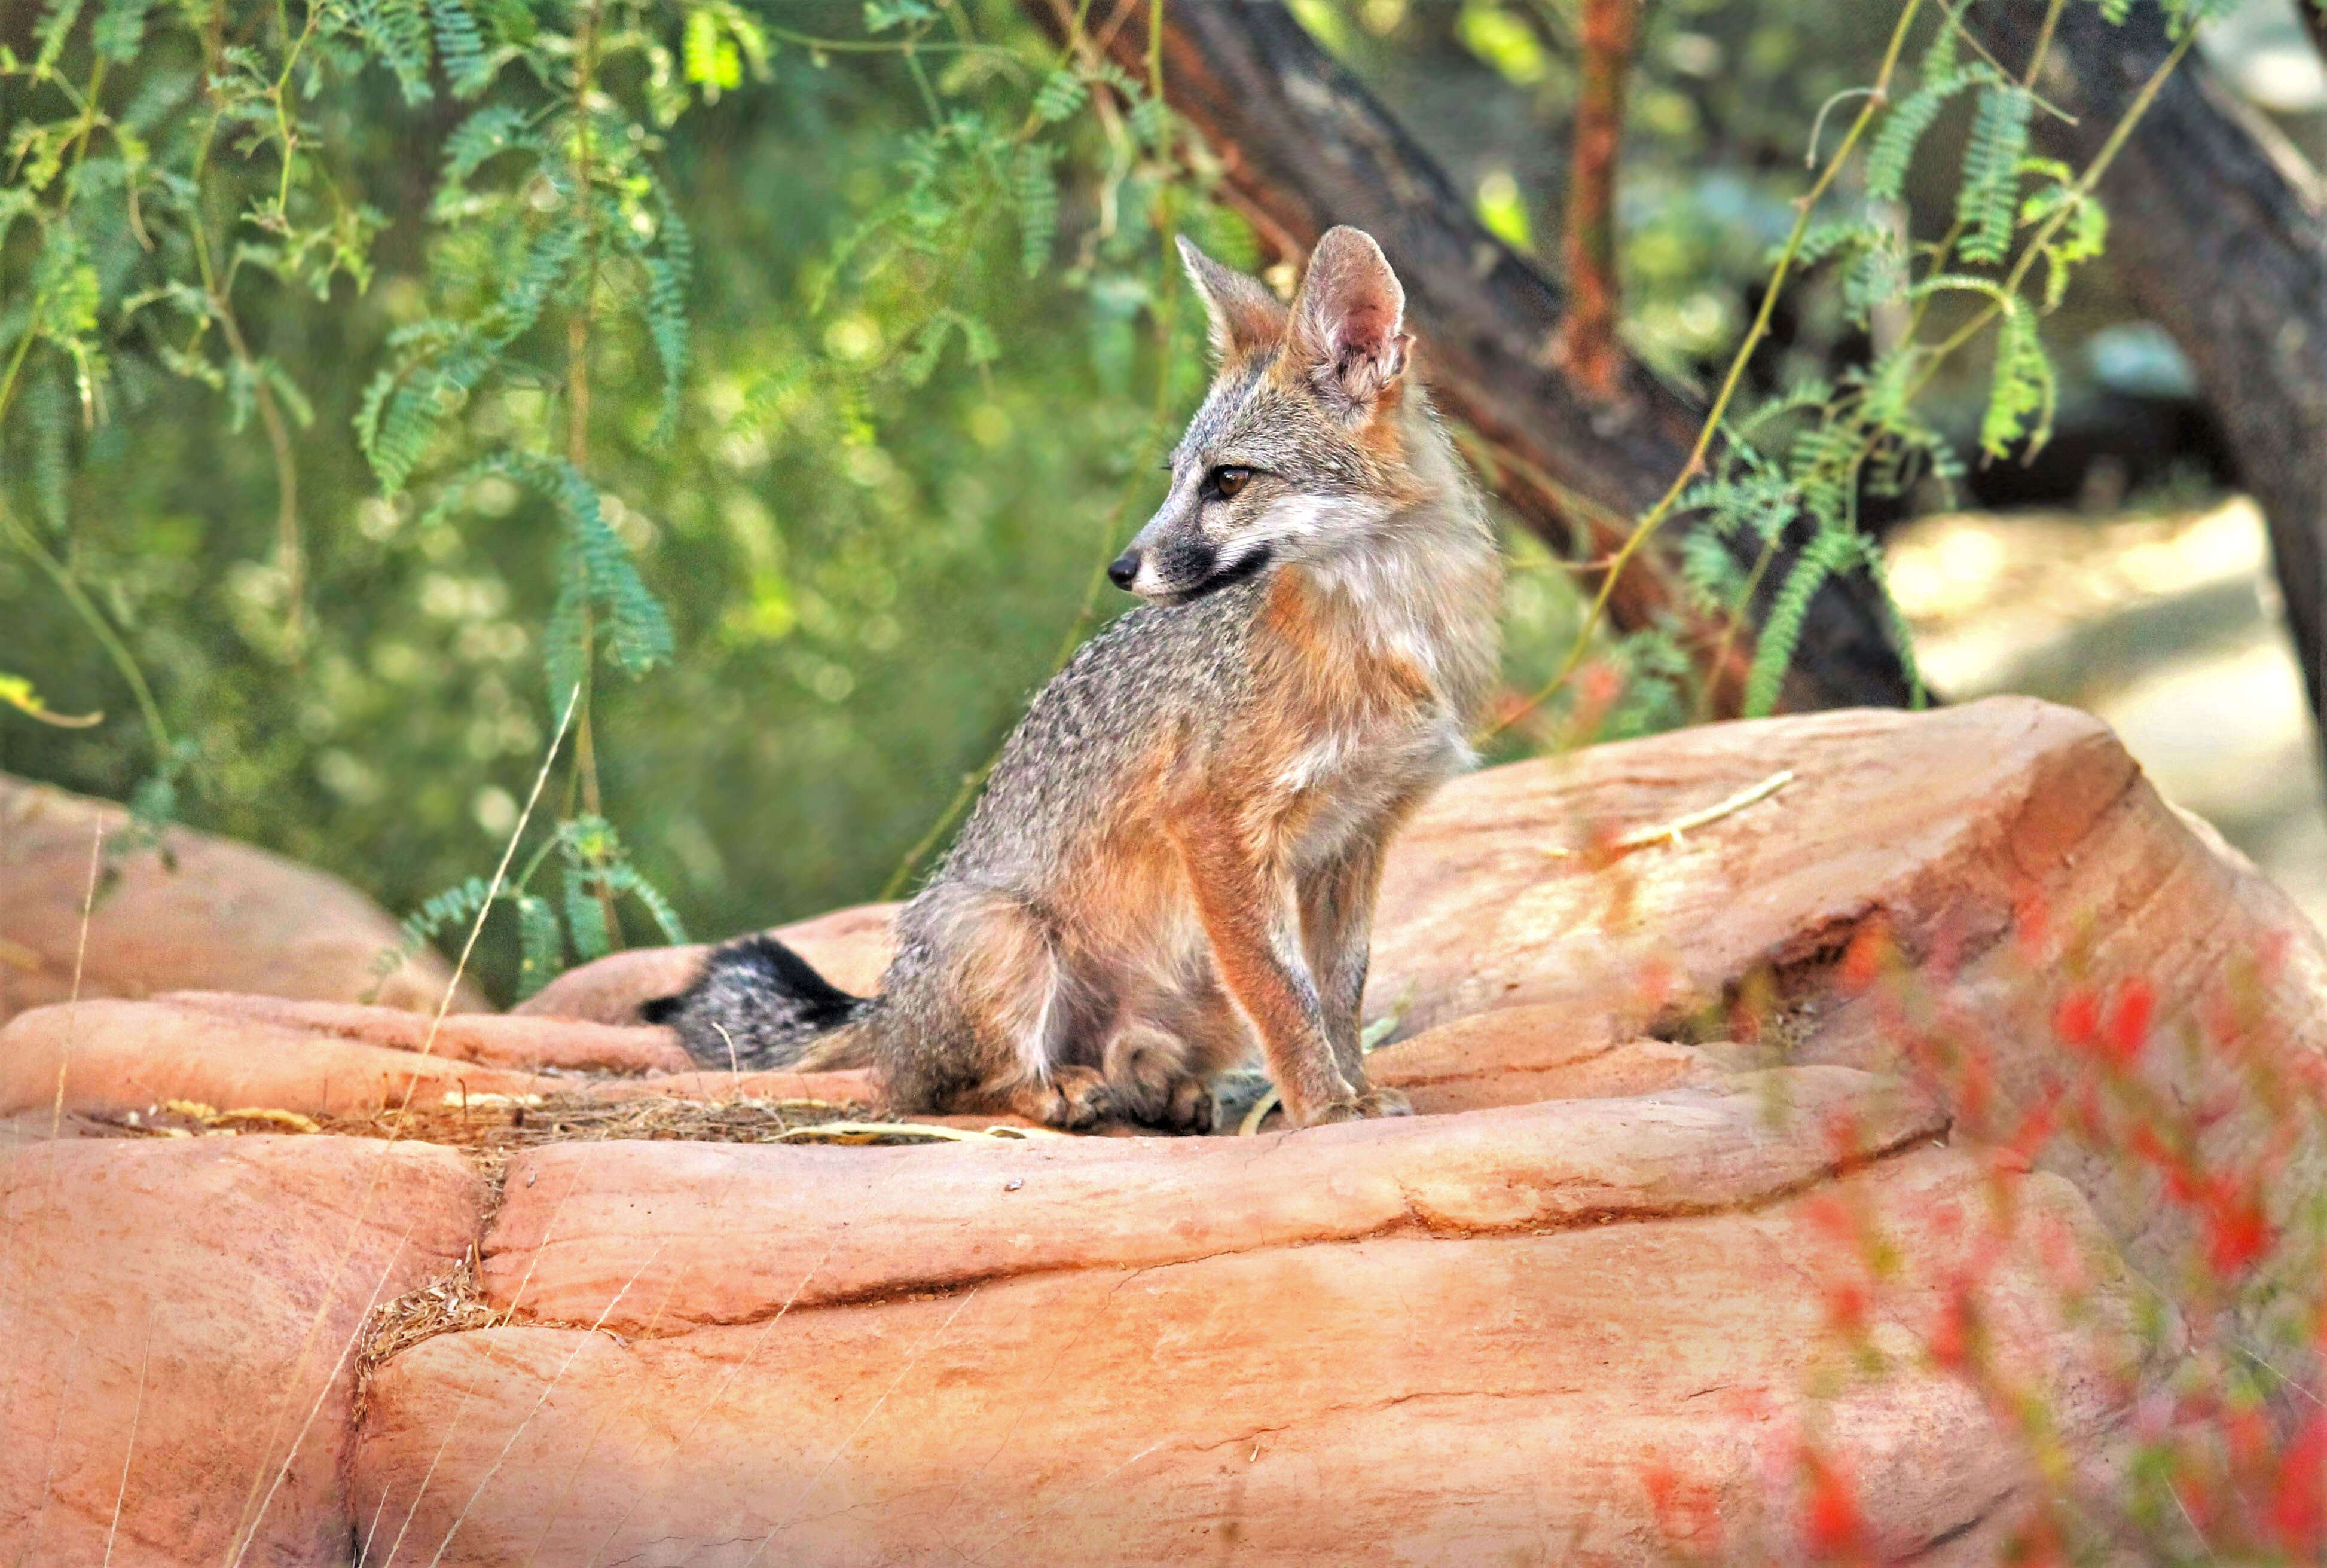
<point x="452" y="907"/>
<point x="623" y="877"/>
<point x="670" y="269"/>
<point x="1986" y="202"/>
<point x="594" y="571"/>
<point x="48" y="410"/>
<point x="404" y="407"/>
<point x="1710" y="572"/>
<point x="1875" y="274"/>
<point x="708" y="57"/>
<point x="566" y="636"/>
<point x="2082" y="227"/>
<point x="1828" y="550"/>
<point x="1034" y="195"/>
<point x="490" y="132"/>
<point x="541" y="944"/>
<point x="585" y="918"/>
<point x="1062" y="94"/>
<point x="1657" y="671"/>
<point x="2023" y="396"/>
<point x="1893" y="151"/>
<point x="397" y="32"/>
<point x="119" y="28"/>
<point x="461" y="47"/>
<point x="1836" y="236"/>
<point x="56" y="27"/>
<point x="1153" y="122"/>
<point x="1902" y="640"/>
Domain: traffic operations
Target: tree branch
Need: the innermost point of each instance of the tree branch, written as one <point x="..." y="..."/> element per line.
<point x="1588" y="349"/>
<point x="1303" y="147"/>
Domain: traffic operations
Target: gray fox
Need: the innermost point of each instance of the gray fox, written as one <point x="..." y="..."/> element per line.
<point x="1180" y="846"/>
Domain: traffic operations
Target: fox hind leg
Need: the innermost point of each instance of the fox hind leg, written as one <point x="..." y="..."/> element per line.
<point x="991" y="1037"/>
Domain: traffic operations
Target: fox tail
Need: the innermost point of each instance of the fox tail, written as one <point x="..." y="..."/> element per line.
<point x="757" y="1005"/>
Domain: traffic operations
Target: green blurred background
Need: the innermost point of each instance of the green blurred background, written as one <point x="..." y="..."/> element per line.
<point x="866" y="573"/>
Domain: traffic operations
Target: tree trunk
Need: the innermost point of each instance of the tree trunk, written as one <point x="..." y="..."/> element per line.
<point x="1306" y="147"/>
<point x="2225" y="246"/>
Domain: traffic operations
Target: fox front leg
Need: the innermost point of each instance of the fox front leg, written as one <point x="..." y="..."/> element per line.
<point x="1252" y="920"/>
<point x="1337" y="917"/>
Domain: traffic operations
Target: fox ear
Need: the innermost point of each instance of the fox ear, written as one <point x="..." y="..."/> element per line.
<point x="1245" y="315"/>
<point x="1348" y="330"/>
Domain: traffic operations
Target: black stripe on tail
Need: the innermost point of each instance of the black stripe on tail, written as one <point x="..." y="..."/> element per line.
<point x="756" y="1005"/>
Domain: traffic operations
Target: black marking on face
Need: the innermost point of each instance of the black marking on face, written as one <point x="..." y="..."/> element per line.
<point x="1250" y="564"/>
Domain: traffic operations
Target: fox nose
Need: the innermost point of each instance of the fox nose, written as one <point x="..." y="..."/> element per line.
<point x="1123" y="569"/>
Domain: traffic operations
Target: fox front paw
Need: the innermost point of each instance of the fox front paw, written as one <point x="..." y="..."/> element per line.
<point x="1360" y="1108"/>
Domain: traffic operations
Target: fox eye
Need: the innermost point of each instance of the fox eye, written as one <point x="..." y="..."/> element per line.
<point x="1227" y="481"/>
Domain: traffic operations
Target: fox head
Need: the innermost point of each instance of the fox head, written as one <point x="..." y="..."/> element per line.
<point x="1298" y="451"/>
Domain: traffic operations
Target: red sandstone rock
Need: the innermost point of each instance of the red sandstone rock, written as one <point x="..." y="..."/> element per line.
<point x="180" y="1316"/>
<point x="1936" y="820"/>
<point x="335" y="1059"/>
<point x="110" y="1056"/>
<point x="229" y="916"/>
<point x="238" y="1051"/>
<point x="1520" y="1333"/>
<point x="1520" y="1394"/>
<point x="2010" y="849"/>
<point x="532" y="1044"/>
<point x="655" y="1234"/>
<point x="1516" y="1056"/>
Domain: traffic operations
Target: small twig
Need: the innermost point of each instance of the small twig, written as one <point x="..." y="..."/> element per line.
<point x="1817" y="126"/>
<point x="1258" y="1114"/>
<point x="1670" y="832"/>
<point x="1954" y="14"/>
<point x="876" y="1132"/>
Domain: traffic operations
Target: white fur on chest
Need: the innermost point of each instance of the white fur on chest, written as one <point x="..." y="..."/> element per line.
<point x="1342" y="786"/>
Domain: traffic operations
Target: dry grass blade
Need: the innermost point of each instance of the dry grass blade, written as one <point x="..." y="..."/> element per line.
<point x="911" y="1132"/>
<point x="703" y="1412"/>
<point x="81" y="961"/>
<point x="487" y="1125"/>
<point x="129" y="1453"/>
<point x="548" y="1389"/>
<point x="912" y="1359"/>
<point x="247" y="1536"/>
